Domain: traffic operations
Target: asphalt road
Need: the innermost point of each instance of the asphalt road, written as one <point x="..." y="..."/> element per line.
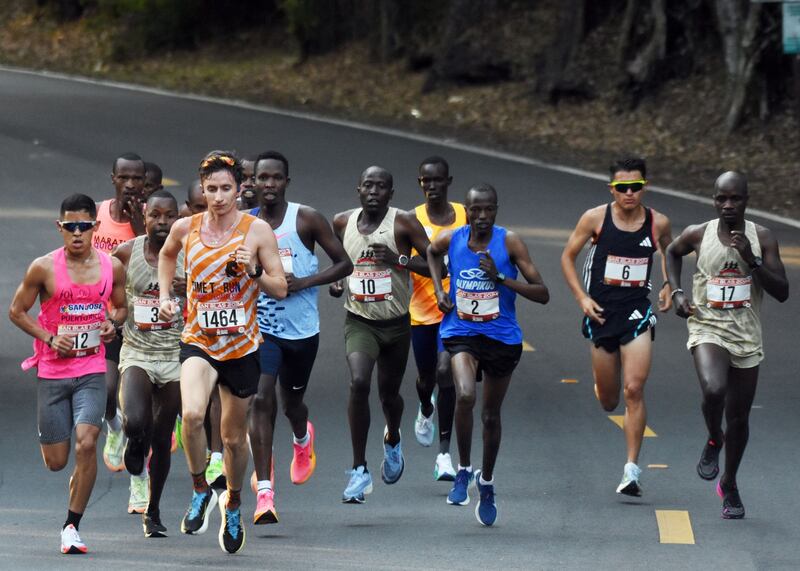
<point x="561" y="456"/>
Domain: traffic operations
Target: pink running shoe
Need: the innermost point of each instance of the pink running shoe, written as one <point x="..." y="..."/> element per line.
<point x="254" y="476"/>
<point x="265" y="508"/>
<point x="304" y="460"/>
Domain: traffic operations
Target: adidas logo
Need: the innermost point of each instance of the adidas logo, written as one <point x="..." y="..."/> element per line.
<point x="646" y="243"/>
<point x="635" y="315"/>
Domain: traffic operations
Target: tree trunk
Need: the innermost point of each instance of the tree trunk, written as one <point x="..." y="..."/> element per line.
<point x="562" y="51"/>
<point x="645" y="66"/>
<point x="624" y="39"/>
<point x="748" y="53"/>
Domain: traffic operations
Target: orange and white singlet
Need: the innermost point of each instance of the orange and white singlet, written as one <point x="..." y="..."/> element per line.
<point x="221" y="297"/>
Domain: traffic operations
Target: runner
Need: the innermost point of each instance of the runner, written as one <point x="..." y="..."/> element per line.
<point x="433" y="361"/>
<point x="737" y="260"/>
<point x="614" y="298"/>
<point x="480" y="330"/>
<point x="195" y="200"/>
<point x="120" y="219"/>
<point x="378" y="240"/>
<point x="248" y="198"/>
<point x="290" y="328"/>
<point x="152" y="180"/>
<point x="149" y="367"/>
<point x="73" y="284"/>
<point x="229" y="256"/>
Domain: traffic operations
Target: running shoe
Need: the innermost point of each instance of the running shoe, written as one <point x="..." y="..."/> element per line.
<point x="304" y="460"/>
<point x="134" y="457"/>
<point x="71" y="543"/>
<point x="443" y="470"/>
<point x="140" y="494"/>
<point x="178" y="434"/>
<point x="486" y="510"/>
<point x="732" y="507"/>
<point x="424" y="427"/>
<point x="459" y="494"/>
<point x="214" y="473"/>
<point x="360" y="484"/>
<point x="196" y="519"/>
<point x="231" y="531"/>
<point x="113" y="450"/>
<point x="393" y="463"/>
<point x="151" y="523"/>
<point x="630" y="485"/>
<point x="265" y="508"/>
<point x="708" y="466"/>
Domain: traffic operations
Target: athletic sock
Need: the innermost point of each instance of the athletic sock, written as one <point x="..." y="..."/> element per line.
<point x="264" y="485"/>
<point x="486" y="482"/>
<point x="216" y="456"/>
<point x="73" y="518"/>
<point x="302" y="441"/>
<point x="234" y="499"/>
<point x="115" y="423"/>
<point x="467" y="468"/>
<point x="199" y="482"/>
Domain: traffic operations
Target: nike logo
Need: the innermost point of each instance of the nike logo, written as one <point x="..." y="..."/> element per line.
<point x="382" y="232"/>
<point x="294" y="388"/>
<point x="102" y="291"/>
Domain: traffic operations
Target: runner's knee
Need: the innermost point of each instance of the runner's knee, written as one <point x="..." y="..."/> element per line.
<point x="466" y="399"/>
<point x="85" y="448"/>
<point x="359" y="386"/>
<point x="490" y="419"/>
<point x="193" y="419"/>
<point x="634" y="392"/>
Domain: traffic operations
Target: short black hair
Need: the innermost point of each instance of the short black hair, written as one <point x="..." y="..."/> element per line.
<point x="629" y="164"/>
<point x="79" y="203"/>
<point x="382" y="170"/>
<point x="127" y="157"/>
<point x="153" y="167"/>
<point x="163" y="194"/>
<point x="221" y="161"/>
<point x="275" y="156"/>
<point x="483" y="187"/>
<point x="190" y="188"/>
<point x="436" y="160"/>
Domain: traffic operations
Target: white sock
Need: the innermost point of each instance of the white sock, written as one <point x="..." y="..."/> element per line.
<point x="485" y="482"/>
<point x="467" y="468"/>
<point x="264" y="485"/>
<point x="115" y="423"/>
<point x="216" y="457"/>
<point x="302" y="441"/>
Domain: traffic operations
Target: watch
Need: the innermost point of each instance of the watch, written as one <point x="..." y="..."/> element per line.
<point x="501" y="277"/>
<point x="258" y="272"/>
<point x="402" y="260"/>
<point x="757" y="262"/>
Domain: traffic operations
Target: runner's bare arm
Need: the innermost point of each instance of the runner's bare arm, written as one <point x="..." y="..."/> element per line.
<point x="272" y="280"/>
<point x="688" y="242"/>
<point x="663" y="236"/>
<point x="341" y="265"/>
<point x="31" y="286"/>
<point x="534" y="290"/>
<point x="586" y="228"/>
<point x="437" y="250"/>
<point x="123" y="252"/>
<point x="167" y="260"/>
<point x="412" y="234"/>
<point x="117" y="316"/>
<point x="771" y="275"/>
<point x="336" y="289"/>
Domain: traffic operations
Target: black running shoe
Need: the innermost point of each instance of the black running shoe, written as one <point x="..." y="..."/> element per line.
<point x="231" y="530"/>
<point x="151" y="522"/>
<point x="708" y="466"/>
<point x="134" y="456"/>
<point x="732" y="507"/>
<point x="196" y="518"/>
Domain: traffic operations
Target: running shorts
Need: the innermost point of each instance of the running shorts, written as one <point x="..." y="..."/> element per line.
<point x="378" y="337"/>
<point x="427" y="345"/>
<point x="622" y="325"/>
<point x="239" y="375"/>
<point x="159" y="371"/>
<point x="65" y="403"/>
<point x="494" y="357"/>
<point x="291" y="360"/>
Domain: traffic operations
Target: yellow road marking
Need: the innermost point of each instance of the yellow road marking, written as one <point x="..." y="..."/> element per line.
<point x="674" y="526"/>
<point x="569" y="381"/>
<point x="658" y="466"/>
<point x="527" y="346"/>
<point x="170" y="182"/>
<point x="619" y="420"/>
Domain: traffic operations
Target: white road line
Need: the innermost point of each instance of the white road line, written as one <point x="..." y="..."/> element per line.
<point x="450" y="143"/>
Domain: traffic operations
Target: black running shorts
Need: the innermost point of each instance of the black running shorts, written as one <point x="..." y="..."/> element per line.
<point x="622" y="325"/>
<point x="495" y="358"/>
<point x="239" y="375"/>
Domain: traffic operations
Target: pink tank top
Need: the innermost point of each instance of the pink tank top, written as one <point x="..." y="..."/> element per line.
<point x="79" y="310"/>
<point x="109" y="233"/>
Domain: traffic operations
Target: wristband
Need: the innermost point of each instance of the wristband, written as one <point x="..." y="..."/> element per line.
<point x="666" y="283"/>
<point x="679" y="290"/>
<point x="257" y="273"/>
<point x="50" y="341"/>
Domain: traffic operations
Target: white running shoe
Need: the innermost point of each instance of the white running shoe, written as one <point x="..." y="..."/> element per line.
<point x="424" y="427"/>
<point x="140" y="494"/>
<point x="443" y="471"/>
<point x="71" y="542"/>
<point x="630" y="485"/>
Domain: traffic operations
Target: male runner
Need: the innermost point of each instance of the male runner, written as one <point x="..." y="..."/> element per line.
<point x="120" y="219"/>
<point x="153" y="178"/>
<point x="73" y="284"/>
<point x="195" y="200"/>
<point x="480" y="330"/>
<point x="290" y="327"/>
<point x="614" y="298"/>
<point x="149" y="367"/>
<point x="737" y="260"/>
<point x="378" y="240"/>
<point x="248" y="199"/>
<point x="230" y="256"/>
<point x="436" y="214"/>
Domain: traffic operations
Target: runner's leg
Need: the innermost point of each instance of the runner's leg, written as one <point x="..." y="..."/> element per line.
<point x="85" y="473"/>
<point x="166" y="405"/>
<point x="262" y="426"/>
<point x="605" y="369"/>
<point x="136" y="400"/>
<point x="465" y="368"/>
<point x="713" y="365"/>
<point x="198" y="379"/>
<point x="494" y="391"/>
<point x="636" y="356"/>
<point x="361" y="366"/>
<point x="742" y="385"/>
<point x="391" y="368"/>
<point x="234" y="436"/>
<point x="446" y="401"/>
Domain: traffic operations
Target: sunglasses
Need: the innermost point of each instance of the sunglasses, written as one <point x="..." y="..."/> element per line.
<point x="80" y="226"/>
<point x="230" y="161"/>
<point x="623" y="186"/>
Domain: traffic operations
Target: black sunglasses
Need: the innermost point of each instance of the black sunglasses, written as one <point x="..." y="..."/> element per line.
<point x="80" y="226"/>
<point x="624" y="186"/>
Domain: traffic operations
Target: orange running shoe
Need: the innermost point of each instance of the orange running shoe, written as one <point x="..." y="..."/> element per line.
<point x="304" y="460"/>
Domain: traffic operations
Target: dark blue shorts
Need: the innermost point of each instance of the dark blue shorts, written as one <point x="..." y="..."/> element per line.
<point x="290" y="360"/>
<point x="427" y="345"/>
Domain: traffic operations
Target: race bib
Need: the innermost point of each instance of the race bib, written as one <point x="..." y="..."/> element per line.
<point x="286" y="260"/>
<point x="728" y="293"/>
<point x="145" y="315"/>
<point x="86" y="338"/>
<point x="369" y="286"/>
<point x="221" y="317"/>
<point x="626" y="272"/>
<point x="478" y="305"/>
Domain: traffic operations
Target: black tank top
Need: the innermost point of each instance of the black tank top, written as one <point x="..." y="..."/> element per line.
<point x="617" y="269"/>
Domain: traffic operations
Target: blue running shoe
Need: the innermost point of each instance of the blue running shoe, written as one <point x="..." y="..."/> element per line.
<point x="196" y="518"/>
<point x="393" y="463"/>
<point x="459" y="495"/>
<point x="359" y="485"/>
<point x="231" y="530"/>
<point x="486" y="510"/>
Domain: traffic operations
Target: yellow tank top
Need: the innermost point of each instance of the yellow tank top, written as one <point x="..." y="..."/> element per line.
<point x="424" y="310"/>
<point x="220" y="296"/>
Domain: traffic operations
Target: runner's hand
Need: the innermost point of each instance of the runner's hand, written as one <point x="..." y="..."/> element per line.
<point x="444" y="302"/>
<point x="383" y="255"/>
<point x="167" y="309"/>
<point x="244" y="255"/>
<point x="592" y="310"/>
<point x="295" y="284"/>
<point x="336" y="289"/>
<point x="62" y="344"/>
<point x="487" y="265"/>
<point x="682" y="306"/>
<point x="665" y="298"/>
<point x="179" y="286"/>
<point x="108" y="331"/>
<point x="135" y="211"/>
<point x="741" y="243"/>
